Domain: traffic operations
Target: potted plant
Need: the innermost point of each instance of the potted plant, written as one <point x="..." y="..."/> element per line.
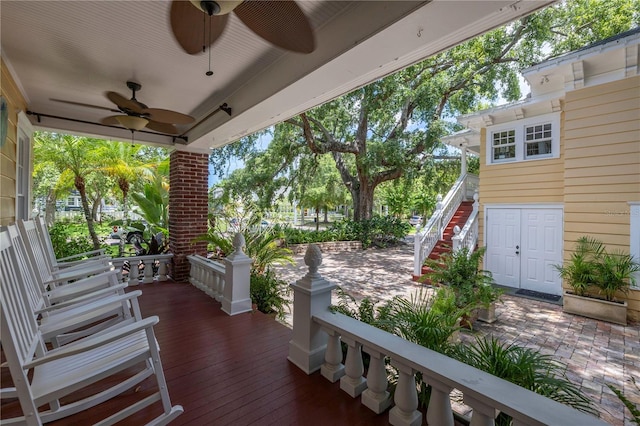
<point x="473" y="287"/>
<point x="596" y="277"/>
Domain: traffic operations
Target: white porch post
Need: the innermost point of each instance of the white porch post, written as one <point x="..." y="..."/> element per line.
<point x="311" y="294"/>
<point x="236" y="297"/>
<point x="463" y="158"/>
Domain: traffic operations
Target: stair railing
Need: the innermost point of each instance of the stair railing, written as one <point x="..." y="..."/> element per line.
<point x="468" y="235"/>
<point x="427" y="238"/>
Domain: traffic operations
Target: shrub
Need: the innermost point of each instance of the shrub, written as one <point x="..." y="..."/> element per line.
<point x="525" y="367"/>
<point x="67" y="241"/>
<point x="269" y="293"/>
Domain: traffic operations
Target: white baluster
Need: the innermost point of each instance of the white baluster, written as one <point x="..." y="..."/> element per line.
<point x="134" y="272"/>
<point x="405" y="413"/>
<point x="162" y="270"/>
<point x="483" y="414"/>
<point x="352" y="382"/>
<point x="219" y="287"/>
<point x="333" y="369"/>
<point x="376" y="397"/>
<point x="148" y="272"/>
<point x="439" y="411"/>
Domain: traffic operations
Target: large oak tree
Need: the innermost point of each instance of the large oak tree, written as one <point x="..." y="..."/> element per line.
<point x="392" y="127"/>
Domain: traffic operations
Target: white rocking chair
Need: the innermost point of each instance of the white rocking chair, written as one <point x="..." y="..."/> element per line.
<point x="43" y="377"/>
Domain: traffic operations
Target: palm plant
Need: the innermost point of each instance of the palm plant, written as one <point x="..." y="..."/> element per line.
<point x="615" y="273"/>
<point x="580" y="272"/>
<point x="525" y="367"/>
<point x="461" y="272"/>
<point x="591" y="265"/>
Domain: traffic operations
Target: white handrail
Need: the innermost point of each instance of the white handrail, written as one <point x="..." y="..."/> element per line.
<point x="468" y="235"/>
<point x="484" y="393"/>
<point x="427" y="238"/>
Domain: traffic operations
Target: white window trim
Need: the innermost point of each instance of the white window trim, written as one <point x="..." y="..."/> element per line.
<point x="519" y="127"/>
<point x="24" y="134"/>
<point x="634" y="235"/>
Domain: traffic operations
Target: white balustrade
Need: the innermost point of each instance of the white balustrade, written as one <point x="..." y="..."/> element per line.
<point x="144" y="269"/>
<point x="207" y="275"/>
<point x="468" y="235"/>
<point x="318" y="331"/>
<point x="228" y="282"/>
<point x="427" y="238"/>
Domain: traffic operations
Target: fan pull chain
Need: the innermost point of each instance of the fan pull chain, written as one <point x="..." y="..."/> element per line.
<point x="209" y="73"/>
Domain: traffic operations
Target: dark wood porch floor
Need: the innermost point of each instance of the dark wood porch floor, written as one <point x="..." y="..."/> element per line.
<point x="229" y="370"/>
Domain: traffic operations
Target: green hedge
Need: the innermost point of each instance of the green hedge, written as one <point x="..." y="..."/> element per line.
<point x="378" y="232"/>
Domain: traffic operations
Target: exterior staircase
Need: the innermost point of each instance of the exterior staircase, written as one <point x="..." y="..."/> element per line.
<point x="445" y="244"/>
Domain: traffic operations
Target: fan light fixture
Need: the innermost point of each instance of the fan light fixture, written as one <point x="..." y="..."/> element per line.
<point x="132" y="122"/>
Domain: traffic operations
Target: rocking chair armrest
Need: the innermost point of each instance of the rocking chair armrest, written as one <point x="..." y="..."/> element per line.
<point x="72" y="263"/>
<point x="79" y="256"/>
<point x="107" y="291"/>
<point x="83" y="265"/>
<point x="79" y="274"/>
<point x="94" y="342"/>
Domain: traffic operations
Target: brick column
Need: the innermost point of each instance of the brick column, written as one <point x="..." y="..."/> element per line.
<point x="188" y="207"/>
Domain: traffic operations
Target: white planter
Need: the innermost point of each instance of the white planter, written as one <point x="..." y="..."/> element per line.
<point x="487" y="315"/>
<point x="591" y="307"/>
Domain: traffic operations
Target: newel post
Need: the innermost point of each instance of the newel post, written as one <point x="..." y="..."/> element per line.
<point x="311" y="295"/>
<point x="236" y="296"/>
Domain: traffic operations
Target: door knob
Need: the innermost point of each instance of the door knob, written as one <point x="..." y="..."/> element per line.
<point x="517" y="249"/>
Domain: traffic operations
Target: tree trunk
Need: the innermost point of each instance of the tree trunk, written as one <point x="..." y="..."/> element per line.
<point x="94" y="210"/>
<point x="317" y="219"/>
<point x="50" y="208"/>
<point x="326" y="215"/>
<point x="125" y="217"/>
<point x="80" y="186"/>
<point x="362" y="202"/>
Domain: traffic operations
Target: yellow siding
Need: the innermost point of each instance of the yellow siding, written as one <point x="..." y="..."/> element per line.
<point x="602" y="166"/>
<point x="16" y="103"/>
<point x="530" y="182"/>
<point x="602" y="171"/>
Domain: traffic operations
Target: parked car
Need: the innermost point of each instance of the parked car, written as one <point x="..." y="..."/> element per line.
<point x="130" y="236"/>
<point x="415" y="220"/>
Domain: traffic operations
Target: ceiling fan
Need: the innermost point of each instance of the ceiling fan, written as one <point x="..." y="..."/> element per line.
<point x="138" y="115"/>
<point x="134" y="115"/>
<point x="279" y="22"/>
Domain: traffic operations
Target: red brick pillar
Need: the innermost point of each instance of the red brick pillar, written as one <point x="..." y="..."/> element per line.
<point x="188" y="207"/>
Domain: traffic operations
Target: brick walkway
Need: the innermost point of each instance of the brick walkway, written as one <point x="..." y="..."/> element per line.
<point x="596" y="353"/>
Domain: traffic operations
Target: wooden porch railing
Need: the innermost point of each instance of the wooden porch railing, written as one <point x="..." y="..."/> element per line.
<point x="316" y="345"/>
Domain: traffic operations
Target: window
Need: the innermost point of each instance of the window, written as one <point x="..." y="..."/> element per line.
<point x="537" y="140"/>
<point x="23" y="168"/>
<point x="527" y="139"/>
<point x="504" y="145"/>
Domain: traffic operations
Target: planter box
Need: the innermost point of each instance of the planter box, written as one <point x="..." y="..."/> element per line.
<point x="487" y="315"/>
<point x="591" y="307"/>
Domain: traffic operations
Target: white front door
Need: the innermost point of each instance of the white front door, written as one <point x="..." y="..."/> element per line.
<point x="523" y="244"/>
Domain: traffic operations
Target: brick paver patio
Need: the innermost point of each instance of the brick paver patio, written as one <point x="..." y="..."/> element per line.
<point x="596" y="353"/>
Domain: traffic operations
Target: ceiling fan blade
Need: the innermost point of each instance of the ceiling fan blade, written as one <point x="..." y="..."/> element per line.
<point x="162" y="127"/>
<point x="126" y="105"/>
<point x="188" y="26"/>
<point x="84" y="105"/>
<point x="167" y="116"/>
<point x="110" y="121"/>
<point x="279" y="22"/>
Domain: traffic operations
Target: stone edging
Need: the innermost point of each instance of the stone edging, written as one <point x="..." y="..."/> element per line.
<point x="328" y="246"/>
